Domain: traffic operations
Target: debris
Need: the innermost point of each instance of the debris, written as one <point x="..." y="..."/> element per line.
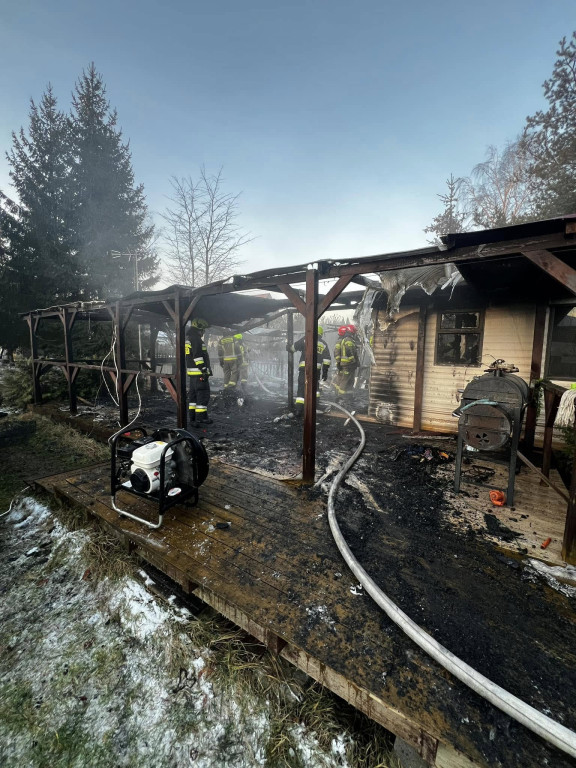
<point x="545" y="543"/>
<point x="497" y="498"/>
<point x="357" y="589"/>
<point x="223" y="526"/>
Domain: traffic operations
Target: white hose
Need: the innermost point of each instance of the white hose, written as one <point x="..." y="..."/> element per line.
<point x="269" y="392"/>
<point x="544" y="726"/>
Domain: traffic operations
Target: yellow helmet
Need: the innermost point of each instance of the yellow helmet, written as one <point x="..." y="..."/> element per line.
<point x="200" y="323"/>
<point x="320" y="331"/>
<point x="238" y="336"/>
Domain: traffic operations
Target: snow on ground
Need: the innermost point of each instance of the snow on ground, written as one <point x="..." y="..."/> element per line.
<point x="87" y="674"/>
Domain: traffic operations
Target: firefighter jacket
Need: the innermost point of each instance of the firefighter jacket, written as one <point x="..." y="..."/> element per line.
<point x="346" y="352"/>
<point x="323" y="358"/>
<point x="229" y="349"/>
<point x="197" y="359"/>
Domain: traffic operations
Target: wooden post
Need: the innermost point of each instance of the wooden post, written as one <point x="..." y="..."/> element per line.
<point x="569" y="540"/>
<point x="33" y="323"/>
<point x="311" y="342"/>
<point x="551" y="403"/>
<point x="535" y="374"/>
<point x="419" y="379"/>
<point x="68" y="318"/>
<point x="290" y="341"/>
<point x="153" y="339"/>
<point x="181" y="378"/>
<point x="121" y="364"/>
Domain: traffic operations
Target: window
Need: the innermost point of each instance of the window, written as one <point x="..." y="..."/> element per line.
<point x="459" y="338"/>
<point x="562" y="343"/>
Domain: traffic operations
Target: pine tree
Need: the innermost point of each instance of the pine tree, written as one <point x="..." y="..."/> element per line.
<point x="551" y="137"/>
<point x="451" y="219"/>
<point x="110" y="211"/>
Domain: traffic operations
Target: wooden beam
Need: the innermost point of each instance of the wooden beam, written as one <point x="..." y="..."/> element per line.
<point x="372" y="706"/>
<point x="554" y="267"/>
<point x="294" y="297"/>
<point x="551" y="403"/>
<point x="36" y="367"/>
<point x="310" y="387"/>
<point x="419" y="378"/>
<point x="333" y="294"/>
<point x="121" y="362"/>
<point x="68" y="317"/>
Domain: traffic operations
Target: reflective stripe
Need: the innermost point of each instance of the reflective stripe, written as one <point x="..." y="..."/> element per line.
<point x="192" y="407"/>
<point x="198" y="360"/>
<point x="228" y="359"/>
<point x="194" y="372"/>
<point x="299" y="401"/>
<point x="201" y="409"/>
<point x="318" y="365"/>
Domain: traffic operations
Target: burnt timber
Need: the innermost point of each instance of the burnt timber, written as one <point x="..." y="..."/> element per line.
<point x="277" y="574"/>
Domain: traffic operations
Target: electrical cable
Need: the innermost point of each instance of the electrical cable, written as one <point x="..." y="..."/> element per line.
<point x="550" y="730"/>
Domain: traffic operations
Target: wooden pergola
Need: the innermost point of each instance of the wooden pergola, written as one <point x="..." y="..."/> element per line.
<point x="550" y="245"/>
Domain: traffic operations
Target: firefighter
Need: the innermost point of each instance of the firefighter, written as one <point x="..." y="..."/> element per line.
<point x="347" y="359"/>
<point x="323" y="361"/>
<point x="243" y="360"/>
<point x="199" y="371"/>
<point x="229" y="354"/>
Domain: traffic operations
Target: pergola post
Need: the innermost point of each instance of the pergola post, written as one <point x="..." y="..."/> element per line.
<point x="310" y="388"/>
<point x="180" y="327"/>
<point x="290" y="342"/>
<point x="121" y="394"/>
<point x="153" y="341"/>
<point x="68" y="318"/>
<point x="33" y="323"/>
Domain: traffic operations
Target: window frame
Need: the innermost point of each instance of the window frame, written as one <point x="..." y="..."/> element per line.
<point x="479" y="331"/>
<point x="551" y="318"/>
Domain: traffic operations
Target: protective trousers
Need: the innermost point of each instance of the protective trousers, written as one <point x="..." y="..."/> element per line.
<point x="344" y="380"/>
<point x="231" y="370"/>
<point x="199" y="397"/>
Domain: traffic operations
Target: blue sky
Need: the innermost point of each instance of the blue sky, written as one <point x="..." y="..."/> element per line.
<point x="338" y="121"/>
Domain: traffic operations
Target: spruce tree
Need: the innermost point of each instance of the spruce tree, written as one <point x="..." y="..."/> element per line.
<point x="452" y="219"/>
<point x="110" y="213"/>
<point x="39" y="267"/>
<point x="551" y="136"/>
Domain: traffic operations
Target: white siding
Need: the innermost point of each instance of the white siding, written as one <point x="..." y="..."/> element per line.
<point x="508" y="334"/>
<point x="392" y="379"/>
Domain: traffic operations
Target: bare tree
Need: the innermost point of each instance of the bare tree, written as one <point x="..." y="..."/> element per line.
<point x="202" y="236"/>
<point x="501" y="189"/>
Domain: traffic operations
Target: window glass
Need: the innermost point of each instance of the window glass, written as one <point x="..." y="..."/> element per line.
<point x="460" y="320"/>
<point x="459" y="339"/>
<point x="562" y="349"/>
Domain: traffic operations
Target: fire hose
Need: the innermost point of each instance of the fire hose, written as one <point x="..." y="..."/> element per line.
<point x="550" y="730"/>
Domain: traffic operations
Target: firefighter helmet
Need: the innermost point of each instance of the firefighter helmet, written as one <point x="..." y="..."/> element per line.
<point x="200" y="323"/>
<point x="342" y="330"/>
<point x="352" y="328"/>
<point x="238" y="336"/>
<point x="320" y="331"/>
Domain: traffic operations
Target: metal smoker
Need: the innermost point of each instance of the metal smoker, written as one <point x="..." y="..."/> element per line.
<point x="490" y="419"/>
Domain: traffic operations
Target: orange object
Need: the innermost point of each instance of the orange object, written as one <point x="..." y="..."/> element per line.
<point x="545" y="543"/>
<point x="497" y="498"/>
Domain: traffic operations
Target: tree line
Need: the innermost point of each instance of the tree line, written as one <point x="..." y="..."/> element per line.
<point x="79" y="228"/>
<point x="532" y="177"/>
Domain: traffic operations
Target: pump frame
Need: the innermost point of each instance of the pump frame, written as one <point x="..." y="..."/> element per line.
<point x="165" y="502"/>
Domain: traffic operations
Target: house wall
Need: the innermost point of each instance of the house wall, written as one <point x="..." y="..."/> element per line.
<point x="508" y="334"/>
<point x="392" y="379"/>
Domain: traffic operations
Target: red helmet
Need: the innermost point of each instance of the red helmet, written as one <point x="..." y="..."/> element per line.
<point x="342" y="330"/>
<point x="352" y="328"/>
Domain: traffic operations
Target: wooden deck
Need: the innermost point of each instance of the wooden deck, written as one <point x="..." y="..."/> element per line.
<point x="276" y="573"/>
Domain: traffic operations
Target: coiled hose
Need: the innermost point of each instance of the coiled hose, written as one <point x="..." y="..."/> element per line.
<point x="550" y="730"/>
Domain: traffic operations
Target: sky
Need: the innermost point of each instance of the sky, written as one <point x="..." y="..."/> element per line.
<point x="338" y="122"/>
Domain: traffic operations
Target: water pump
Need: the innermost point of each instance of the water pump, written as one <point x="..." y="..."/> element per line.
<point x="167" y="467"/>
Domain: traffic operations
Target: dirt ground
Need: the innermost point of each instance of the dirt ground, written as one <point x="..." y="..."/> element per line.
<point x="396" y="512"/>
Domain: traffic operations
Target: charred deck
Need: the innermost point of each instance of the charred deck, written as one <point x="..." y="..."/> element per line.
<point x="276" y="573"/>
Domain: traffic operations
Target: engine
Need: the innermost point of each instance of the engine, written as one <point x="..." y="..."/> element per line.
<point x="167" y="466"/>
